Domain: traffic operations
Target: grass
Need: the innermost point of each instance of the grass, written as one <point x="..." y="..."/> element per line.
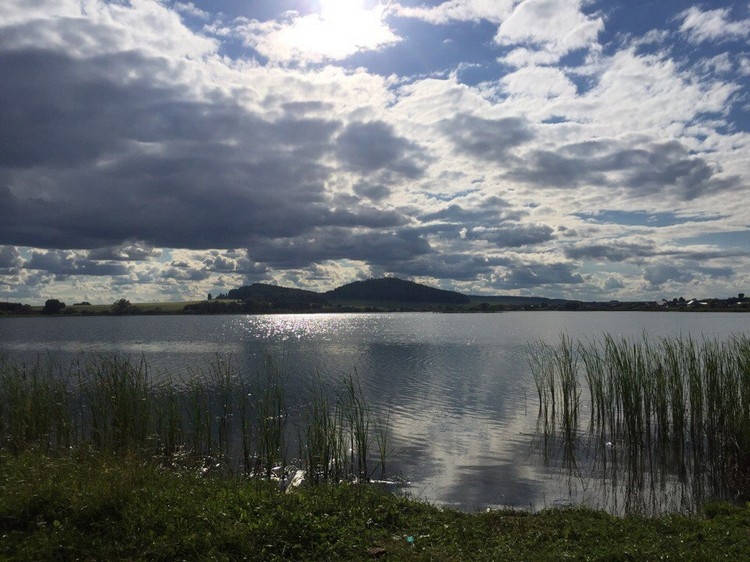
<point x="666" y="418"/>
<point x="91" y="505"/>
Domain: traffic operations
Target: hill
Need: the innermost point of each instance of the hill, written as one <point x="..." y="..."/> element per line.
<point x="391" y="289"/>
<point x="261" y="297"/>
<point x="274" y="293"/>
<point x="373" y="293"/>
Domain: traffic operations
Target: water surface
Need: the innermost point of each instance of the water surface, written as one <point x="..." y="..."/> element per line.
<point x="457" y="388"/>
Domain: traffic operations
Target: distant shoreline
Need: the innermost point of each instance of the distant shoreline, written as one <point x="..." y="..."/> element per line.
<point x="192" y="308"/>
<point x="387" y="294"/>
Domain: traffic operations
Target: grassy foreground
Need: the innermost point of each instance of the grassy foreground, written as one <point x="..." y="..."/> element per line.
<point x="86" y="505"/>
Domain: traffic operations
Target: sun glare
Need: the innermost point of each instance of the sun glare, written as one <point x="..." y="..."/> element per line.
<point x="341" y="28"/>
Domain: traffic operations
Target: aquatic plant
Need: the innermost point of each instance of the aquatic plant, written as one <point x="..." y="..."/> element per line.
<point x="34" y="410"/>
<point x="670" y="415"/>
<point x="214" y="415"/>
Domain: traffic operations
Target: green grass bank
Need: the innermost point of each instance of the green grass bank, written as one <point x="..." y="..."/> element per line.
<point x="89" y="505"/>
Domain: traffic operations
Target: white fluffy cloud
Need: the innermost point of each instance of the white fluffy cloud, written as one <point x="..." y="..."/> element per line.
<point x="555" y="27"/>
<point x="460" y="10"/>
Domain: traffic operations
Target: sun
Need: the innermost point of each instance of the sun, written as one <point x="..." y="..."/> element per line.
<point x="341" y="28"/>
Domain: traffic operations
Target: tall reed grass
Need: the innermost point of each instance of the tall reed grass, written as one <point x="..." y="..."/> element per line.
<point x="665" y="416"/>
<point x="217" y="416"/>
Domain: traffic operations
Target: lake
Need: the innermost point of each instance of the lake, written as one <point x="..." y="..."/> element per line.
<point x="458" y="390"/>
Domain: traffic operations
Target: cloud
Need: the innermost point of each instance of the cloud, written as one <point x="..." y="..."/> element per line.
<point x="191" y="9"/>
<point x="61" y="262"/>
<point x="228" y="261"/>
<point x="487" y="139"/>
<point x="642" y="170"/>
<point x="184" y="272"/>
<point x="712" y="25"/>
<point x="448" y="266"/>
<point x="460" y="10"/>
<point x="555" y="27"/>
<point x="658" y="275"/>
<point x="610" y="250"/>
<point x="137" y="159"/>
<point x="613" y="284"/>
<point x="537" y="275"/>
<point x="374" y="247"/>
<point x="543" y="83"/>
<point x="472" y="211"/>
<point x="372" y="146"/>
<point x="515" y="235"/>
<point x="372" y="191"/>
<point x="10" y="258"/>
<point x="129" y="251"/>
<point x="90" y="28"/>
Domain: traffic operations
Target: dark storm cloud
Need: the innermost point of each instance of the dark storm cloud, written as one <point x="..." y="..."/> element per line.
<point x="670" y="164"/>
<point x="449" y="266"/>
<point x="133" y="251"/>
<point x="373" y="146"/>
<point x="184" y="272"/>
<point x="725" y="272"/>
<point x="614" y="252"/>
<point x="659" y="274"/>
<point x="487" y="139"/>
<point x="515" y="235"/>
<point x="61" y="262"/>
<point x="372" y="191"/>
<point x="534" y="275"/>
<point x="486" y="211"/>
<point x="63" y="111"/>
<point x="652" y="168"/>
<point x="10" y="258"/>
<point x="623" y="251"/>
<point x="374" y="247"/>
<point x="232" y="261"/>
<point x="92" y="158"/>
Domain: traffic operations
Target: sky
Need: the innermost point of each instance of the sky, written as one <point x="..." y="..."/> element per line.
<point x="583" y="149"/>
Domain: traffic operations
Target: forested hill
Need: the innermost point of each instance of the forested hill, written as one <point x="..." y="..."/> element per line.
<point x="387" y="290"/>
<point x="275" y="294"/>
<point x="390" y="289"/>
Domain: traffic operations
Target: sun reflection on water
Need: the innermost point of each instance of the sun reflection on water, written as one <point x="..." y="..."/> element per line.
<point x="284" y="327"/>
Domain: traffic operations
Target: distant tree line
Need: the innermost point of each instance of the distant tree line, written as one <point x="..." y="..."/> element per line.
<point x="373" y="295"/>
<point x="13" y="308"/>
<point x="56" y="307"/>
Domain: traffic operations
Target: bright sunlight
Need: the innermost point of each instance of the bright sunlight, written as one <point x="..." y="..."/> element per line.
<point x="340" y="29"/>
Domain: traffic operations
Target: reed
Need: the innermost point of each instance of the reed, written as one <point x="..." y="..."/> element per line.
<point x="33" y="409"/>
<point x="339" y="429"/>
<point x="214" y="417"/>
<point x="665" y="412"/>
<point x="270" y="419"/>
<point x="119" y="395"/>
<point x="322" y="442"/>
